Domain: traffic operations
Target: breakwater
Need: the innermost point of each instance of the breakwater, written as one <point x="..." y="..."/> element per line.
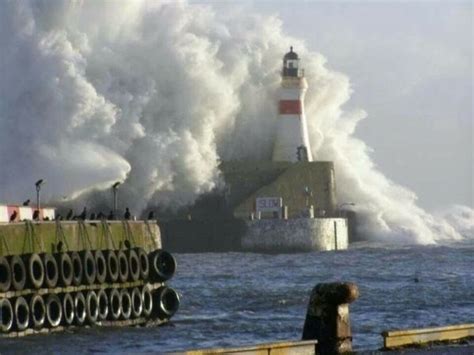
<point x="56" y="275"/>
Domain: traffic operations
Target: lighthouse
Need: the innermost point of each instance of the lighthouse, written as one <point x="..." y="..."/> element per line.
<point x="291" y="141"/>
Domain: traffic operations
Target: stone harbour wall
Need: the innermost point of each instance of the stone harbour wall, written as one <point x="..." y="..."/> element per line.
<point x="298" y="234"/>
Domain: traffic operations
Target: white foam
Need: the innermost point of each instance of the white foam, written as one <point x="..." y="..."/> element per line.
<point x="158" y="94"/>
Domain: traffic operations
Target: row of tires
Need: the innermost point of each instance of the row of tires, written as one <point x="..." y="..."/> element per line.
<point x="86" y="267"/>
<point x="87" y="307"/>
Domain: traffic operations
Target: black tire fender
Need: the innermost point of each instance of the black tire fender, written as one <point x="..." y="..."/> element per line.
<point x="5" y="274"/>
<point x="54" y="310"/>
<point x="6" y="321"/>
<point x="115" y="304"/>
<point x="92" y="307"/>
<point x="79" y="308"/>
<point x="77" y="268"/>
<point x="37" y="311"/>
<point x="101" y="266"/>
<point x="68" y="308"/>
<point x="21" y="311"/>
<point x="51" y="272"/>
<point x="18" y="270"/>
<point x="66" y="271"/>
<point x="103" y="302"/>
<point x="126" y="301"/>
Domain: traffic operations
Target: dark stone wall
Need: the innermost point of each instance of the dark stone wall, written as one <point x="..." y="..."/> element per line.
<point x="197" y="236"/>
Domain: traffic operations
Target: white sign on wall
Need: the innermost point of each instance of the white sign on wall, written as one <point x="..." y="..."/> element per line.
<point x="268" y="204"/>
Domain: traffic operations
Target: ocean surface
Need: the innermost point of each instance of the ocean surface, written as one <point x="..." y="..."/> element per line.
<point x="230" y="299"/>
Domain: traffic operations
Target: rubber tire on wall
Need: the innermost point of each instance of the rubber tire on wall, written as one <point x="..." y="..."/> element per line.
<point x="103" y="302"/>
<point x="165" y="302"/>
<point x="5" y="274"/>
<point x="79" y="308"/>
<point x="144" y="263"/>
<point x="18" y="270"/>
<point x="147" y="301"/>
<point x="89" y="267"/>
<point x="133" y="265"/>
<point x="51" y="272"/>
<point x="92" y="307"/>
<point x="34" y="270"/>
<point x="22" y="314"/>
<point x="123" y="266"/>
<point x="115" y="304"/>
<point x="112" y="266"/>
<point x="37" y="311"/>
<point x="126" y="303"/>
<point x="101" y="266"/>
<point x="77" y="267"/>
<point x="68" y="308"/>
<point x="6" y="321"/>
<point x="162" y="265"/>
<point x="54" y="310"/>
<point x="137" y="302"/>
<point x="65" y="268"/>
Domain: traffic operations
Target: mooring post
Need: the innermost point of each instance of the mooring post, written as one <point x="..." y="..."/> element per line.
<point x="327" y="317"/>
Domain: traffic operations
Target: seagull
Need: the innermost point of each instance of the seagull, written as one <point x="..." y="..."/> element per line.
<point x="13" y="216"/>
<point x="36" y="215"/>
<point x="83" y="215"/>
<point x="101" y="215"/>
<point x="92" y="217"/>
<point x="151" y="215"/>
<point x="127" y="214"/>
<point x="26" y="203"/>
<point x="111" y="216"/>
<point x="69" y="215"/>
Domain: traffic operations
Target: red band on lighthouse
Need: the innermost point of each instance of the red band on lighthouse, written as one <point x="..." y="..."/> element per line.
<point x="290" y="107"/>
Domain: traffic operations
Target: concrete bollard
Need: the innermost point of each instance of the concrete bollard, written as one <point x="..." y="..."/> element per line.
<point x="327" y="317"/>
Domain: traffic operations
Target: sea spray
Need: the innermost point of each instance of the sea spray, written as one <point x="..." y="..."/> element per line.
<point x="157" y="94"/>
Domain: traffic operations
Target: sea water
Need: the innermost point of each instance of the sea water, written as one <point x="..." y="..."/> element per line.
<point x="231" y="299"/>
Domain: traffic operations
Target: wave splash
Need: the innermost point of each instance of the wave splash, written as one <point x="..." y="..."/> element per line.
<point x="158" y="94"/>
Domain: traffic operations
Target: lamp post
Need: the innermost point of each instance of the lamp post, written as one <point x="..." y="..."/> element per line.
<point x="307" y="193"/>
<point x="38" y="185"/>
<point x="114" y="189"/>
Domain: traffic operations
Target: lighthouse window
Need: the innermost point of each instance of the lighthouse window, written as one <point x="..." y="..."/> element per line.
<point x="290" y="65"/>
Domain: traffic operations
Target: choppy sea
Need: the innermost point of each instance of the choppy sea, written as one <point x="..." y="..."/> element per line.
<point x="230" y="299"/>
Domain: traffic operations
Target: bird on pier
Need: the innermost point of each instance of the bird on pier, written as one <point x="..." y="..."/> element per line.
<point x="127" y="214"/>
<point x="151" y="215"/>
<point x="26" y="203"/>
<point x="111" y="216"/>
<point x="92" y="216"/>
<point x="69" y="215"/>
<point x="101" y="215"/>
<point x="13" y="216"/>
<point x="36" y="215"/>
<point x="83" y="215"/>
<point x="59" y="217"/>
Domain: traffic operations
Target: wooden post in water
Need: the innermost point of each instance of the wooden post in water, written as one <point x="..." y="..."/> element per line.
<point x="327" y="317"/>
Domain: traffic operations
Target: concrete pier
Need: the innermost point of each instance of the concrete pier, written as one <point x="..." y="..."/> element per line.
<point x="296" y="235"/>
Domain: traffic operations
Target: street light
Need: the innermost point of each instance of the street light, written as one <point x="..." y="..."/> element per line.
<point x="114" y="189"/>
<point x="38" y="185"/>
<point x="308" y="193"/>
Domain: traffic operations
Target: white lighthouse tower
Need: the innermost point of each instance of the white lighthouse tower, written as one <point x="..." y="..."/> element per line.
<point x="292" y="142"/>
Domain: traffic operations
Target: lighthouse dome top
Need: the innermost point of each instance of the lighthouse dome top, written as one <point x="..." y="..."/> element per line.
<point x="290" y="55"/>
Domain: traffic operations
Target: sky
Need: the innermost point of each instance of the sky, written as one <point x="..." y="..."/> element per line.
<point x="410" y="66"/>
